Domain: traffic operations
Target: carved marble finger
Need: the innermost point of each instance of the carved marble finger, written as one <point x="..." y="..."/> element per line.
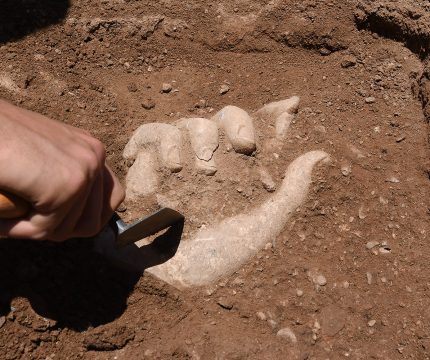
<point x="142" y="177"/>
<point x="283" y="112"/>
<point x="238" y="127"/>
<point x="203" y="135"/>
<point x="164" y="138"/>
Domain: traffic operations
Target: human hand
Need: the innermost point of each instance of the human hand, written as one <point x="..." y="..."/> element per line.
<point x="60" y="170"/>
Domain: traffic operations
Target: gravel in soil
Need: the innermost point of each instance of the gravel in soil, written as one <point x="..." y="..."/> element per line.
<point x="349" y="275"/>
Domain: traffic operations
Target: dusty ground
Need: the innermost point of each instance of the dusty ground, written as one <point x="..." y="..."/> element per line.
<point x="361" y="70"/>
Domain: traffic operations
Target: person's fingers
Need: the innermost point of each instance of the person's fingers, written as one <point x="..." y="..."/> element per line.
<point x="96" y="145"/>
<point x="83" y="220"/>
<point x="114" y="194"/>
<point x="88" y="206"/>
<point x="105" y="197"/>
<point x="34" y="227"/>
<point x="89" y="223"/>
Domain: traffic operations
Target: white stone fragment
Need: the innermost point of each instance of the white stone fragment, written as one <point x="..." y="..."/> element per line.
<point x="287" y="334"/>
<point x="321" y="280"/>
<point x="261" y="315"/>
<point x="224" y="89"/>
<point x="345" y="169"/>
<point x="369" y="278"/>
<point x="166" y="88"/>
<point x="361" y="212"/>
<point x="393" y="180"/>
<point x="371" y="244"/>
<point x="384" y="250"/>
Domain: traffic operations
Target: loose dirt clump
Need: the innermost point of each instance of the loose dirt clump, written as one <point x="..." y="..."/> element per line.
<point x="348" y="276"/>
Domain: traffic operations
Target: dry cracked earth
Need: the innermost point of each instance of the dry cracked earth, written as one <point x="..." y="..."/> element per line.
<point x="348" y="276"/>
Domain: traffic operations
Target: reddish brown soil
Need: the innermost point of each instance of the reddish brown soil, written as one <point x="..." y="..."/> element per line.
<point x="94" y="67"/>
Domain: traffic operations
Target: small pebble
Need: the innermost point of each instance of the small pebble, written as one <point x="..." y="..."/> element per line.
<point x="262" y="316"/>
<point x="372" y="244"/>
<point x="325" y="52"/>
<point x="369" y="278"/>
<point x="148" y="104"/>
<point x="346" y="169"/>
<point x="371" y="323"/>
<point x="273" y="324"/>
<point x="361" y="213"/>
<point x="224" y="89"/>
<point x="369" y="100"/>
<point x="225" y="303"/>
<point x="348" y="61"/>
<point x="132" y="87"/>
<point x="362" y="92"/>
<point x="393" y="180"/>
<point x="201" y="104"/>
<point x="299" y="292"/>
<point x="321" y="280"/>
<point x="166" y="88"/>
<point x="384" y="250"/>
<point x="288" y="334"/>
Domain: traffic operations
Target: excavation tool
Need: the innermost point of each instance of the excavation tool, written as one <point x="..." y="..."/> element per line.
<point x="12" y="207"/>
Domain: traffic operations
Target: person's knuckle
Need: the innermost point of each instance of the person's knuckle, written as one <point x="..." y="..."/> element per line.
<point x="78" y="179"/>
<point x="97" y="148"/>
<point x="92" y="163"/>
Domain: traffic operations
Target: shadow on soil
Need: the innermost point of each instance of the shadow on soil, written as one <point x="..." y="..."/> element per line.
<point x="21" y="17"/>
<point x="68" y="283"/>
<point x="73" y="285"/>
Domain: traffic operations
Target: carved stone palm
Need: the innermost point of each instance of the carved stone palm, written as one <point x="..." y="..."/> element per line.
<point x="223" y="246"/>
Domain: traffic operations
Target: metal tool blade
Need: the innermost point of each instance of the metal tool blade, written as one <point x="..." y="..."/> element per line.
<point x="142" y="228"/>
